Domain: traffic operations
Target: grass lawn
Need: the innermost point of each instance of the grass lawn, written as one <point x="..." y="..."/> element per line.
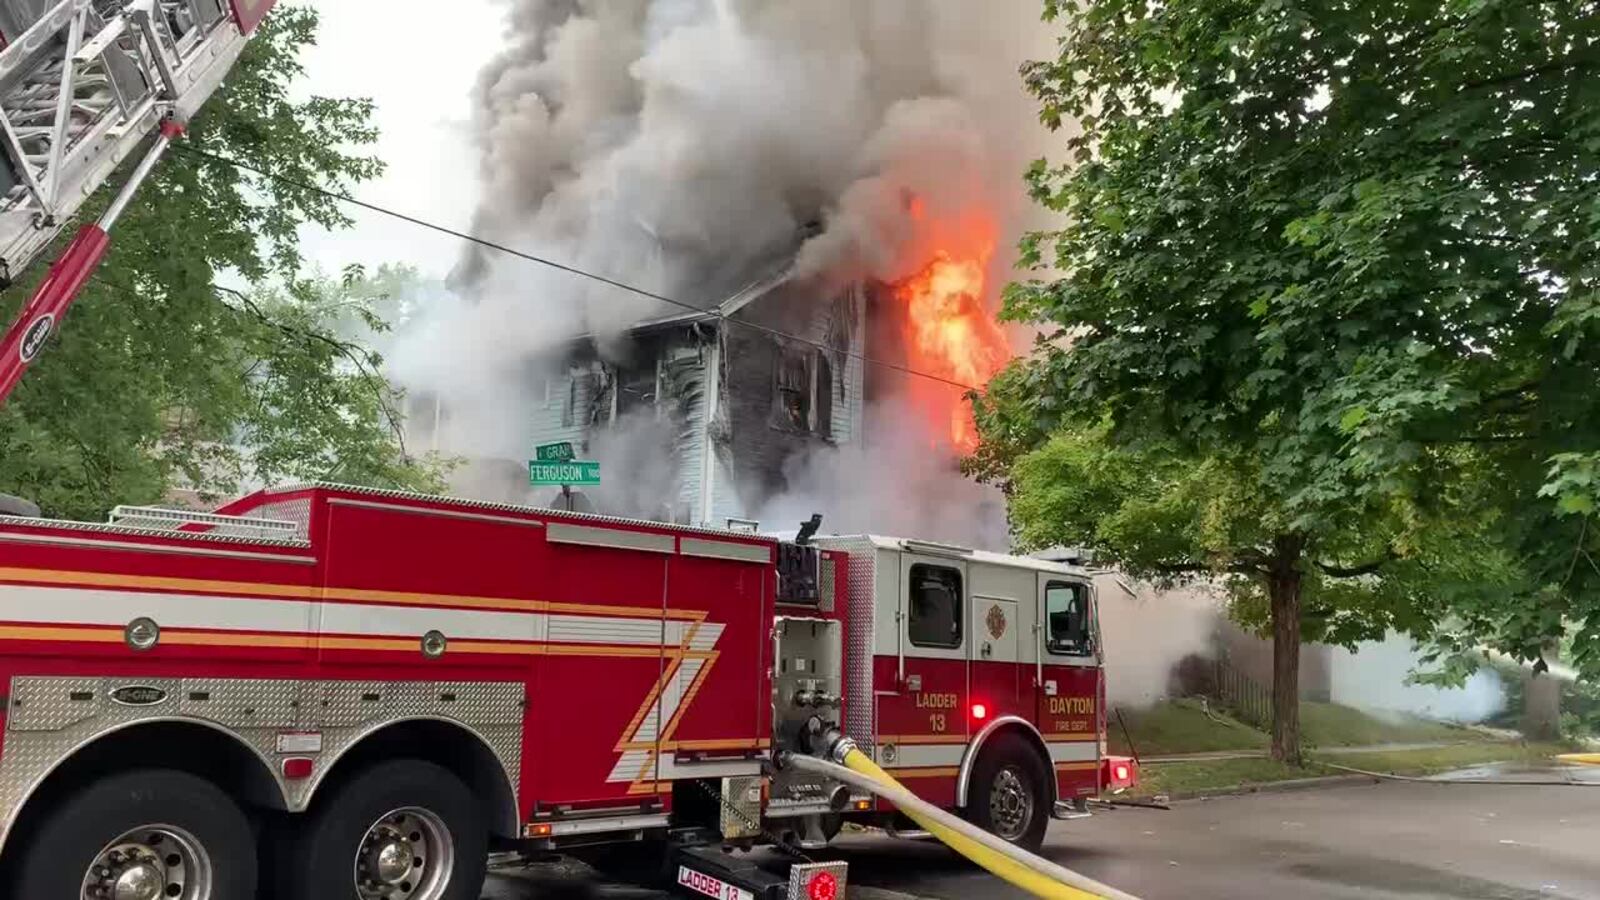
<point x="1181" y="726"/>
<point x="1443" y="759"/>
<point x="1211" y="775"/>
<point x="1215" y="775"/>
<point x="1331" y="725"/>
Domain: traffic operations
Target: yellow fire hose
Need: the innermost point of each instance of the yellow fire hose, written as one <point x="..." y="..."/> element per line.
<point x="1031" y="873"/>
<point x="1587" y="759"/>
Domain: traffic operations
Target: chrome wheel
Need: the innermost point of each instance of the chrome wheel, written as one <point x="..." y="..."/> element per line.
<point x="407" y="854"/>
<point x="1010" y="804"/>
<point x="152" y="862"/>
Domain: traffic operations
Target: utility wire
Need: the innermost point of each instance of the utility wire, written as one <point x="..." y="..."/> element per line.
<point x="559" y="266"/>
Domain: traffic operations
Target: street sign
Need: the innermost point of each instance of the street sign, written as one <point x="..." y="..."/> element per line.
<point x="563" y="473"/>
<point x="557" y="452"/>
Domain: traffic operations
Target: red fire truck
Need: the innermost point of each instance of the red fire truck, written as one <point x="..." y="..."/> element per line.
<point x="354" y="693"/>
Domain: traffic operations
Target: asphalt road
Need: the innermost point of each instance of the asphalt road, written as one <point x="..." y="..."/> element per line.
<point x="1390" y="841"/>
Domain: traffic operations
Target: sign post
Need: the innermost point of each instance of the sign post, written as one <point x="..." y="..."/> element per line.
<point x="553" y="465"/>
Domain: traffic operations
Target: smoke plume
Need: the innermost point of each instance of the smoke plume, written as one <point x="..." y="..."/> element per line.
<point x="1149" y="631"/>
<point x="891" y="483"/>
<point x="1378" y="677"/>
<point x="687" y="147"/>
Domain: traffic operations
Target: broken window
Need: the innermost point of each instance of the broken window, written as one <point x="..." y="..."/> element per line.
<point x="804" y="396"/>
<point x="794" y="389"/>
<point x="824" y="396"/>
<point x="636" y="387"/>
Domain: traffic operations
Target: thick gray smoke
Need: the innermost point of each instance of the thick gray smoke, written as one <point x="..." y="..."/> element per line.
<point x="685" y="146"/>
<point x="891" y="484"/>
<point x="1378" y="677"/>
<point x="1149" y="631"/>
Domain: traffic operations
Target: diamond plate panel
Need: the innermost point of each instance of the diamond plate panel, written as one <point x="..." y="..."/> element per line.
<point x="242" y="703"/>
<point x="297" y="511"/>
<point x="827" y="580"/>
<point x="53" y="706"/>
<point x="860" y="600"/>
<point x="741" y="807"/>
<point x="346" y="703"/>
<point x="50" y="718"/>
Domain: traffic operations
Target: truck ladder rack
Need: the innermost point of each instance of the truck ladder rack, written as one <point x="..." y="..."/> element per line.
<point x="81" y="87"/>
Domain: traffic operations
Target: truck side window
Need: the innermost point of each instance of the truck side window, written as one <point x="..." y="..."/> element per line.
<point x="935" y="607"/>
<point x="1066" y="610"/>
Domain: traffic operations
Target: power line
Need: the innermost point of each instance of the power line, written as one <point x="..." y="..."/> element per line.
<point x="559" y="266"/>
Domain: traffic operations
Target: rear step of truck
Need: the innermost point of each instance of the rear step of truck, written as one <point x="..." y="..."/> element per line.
<point x="709" y="872"/>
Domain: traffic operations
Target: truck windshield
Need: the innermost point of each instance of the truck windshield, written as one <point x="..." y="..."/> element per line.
<point x="935" y="619"/>
<point x="1067" y="614"/>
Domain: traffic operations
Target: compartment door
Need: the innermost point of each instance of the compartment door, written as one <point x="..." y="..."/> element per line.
<point x="923" y="726"/>
<point x="1069" y="691"/>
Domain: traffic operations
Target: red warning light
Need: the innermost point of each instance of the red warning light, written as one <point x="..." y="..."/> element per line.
<point x="823" y="886"/>
<point x="979" y="711"/>
<point x="1121" y="772"/>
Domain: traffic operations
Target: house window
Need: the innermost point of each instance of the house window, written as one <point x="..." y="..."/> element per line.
<point x="1066" y="610"/>
<point x="794" y="390"/>
<point x="804" y="395"/>
<point x="935" y="595"/>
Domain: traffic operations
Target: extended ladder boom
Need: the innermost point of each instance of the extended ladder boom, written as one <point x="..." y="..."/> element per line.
<point x="82" y="85"/>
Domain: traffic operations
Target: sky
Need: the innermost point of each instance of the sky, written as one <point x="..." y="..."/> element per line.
<point x="419" y="69"/>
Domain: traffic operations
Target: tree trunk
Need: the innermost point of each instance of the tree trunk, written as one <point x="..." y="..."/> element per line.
<point x="1283" y="586"/>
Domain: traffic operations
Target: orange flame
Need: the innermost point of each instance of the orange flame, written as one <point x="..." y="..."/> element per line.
<point x="950" y="333"/>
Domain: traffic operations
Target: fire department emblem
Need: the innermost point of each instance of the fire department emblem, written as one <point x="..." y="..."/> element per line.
<point x="996" y="622"/>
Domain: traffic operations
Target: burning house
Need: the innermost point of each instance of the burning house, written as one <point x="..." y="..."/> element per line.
<point x="708" y="407"/>
<point x="718" y="408"/>
<point x="829" y="186"/>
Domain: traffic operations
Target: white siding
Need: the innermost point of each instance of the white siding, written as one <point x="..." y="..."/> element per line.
<point x="691" y="447"/>
<point x="725" y="502"/>
<point x="548" y="415"/>
<point x="849" y="399"/>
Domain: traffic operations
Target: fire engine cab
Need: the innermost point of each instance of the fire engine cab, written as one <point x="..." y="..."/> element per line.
<point x="338" y="692"/>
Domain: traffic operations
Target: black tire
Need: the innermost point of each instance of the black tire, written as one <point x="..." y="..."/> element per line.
<point x="58" y="856"/>
<point x="326" y="843"/>
<point x="1008" y="756"/>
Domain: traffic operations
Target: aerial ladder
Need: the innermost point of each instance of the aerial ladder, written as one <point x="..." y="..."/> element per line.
<point x="84" y="85"/>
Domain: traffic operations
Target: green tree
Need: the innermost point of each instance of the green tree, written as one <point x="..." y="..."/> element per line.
<point x="1325" y="291"/>
<point x="160" y="375"/>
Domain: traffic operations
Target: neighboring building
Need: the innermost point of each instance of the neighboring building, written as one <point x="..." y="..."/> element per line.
<point x="708" y="407"/>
